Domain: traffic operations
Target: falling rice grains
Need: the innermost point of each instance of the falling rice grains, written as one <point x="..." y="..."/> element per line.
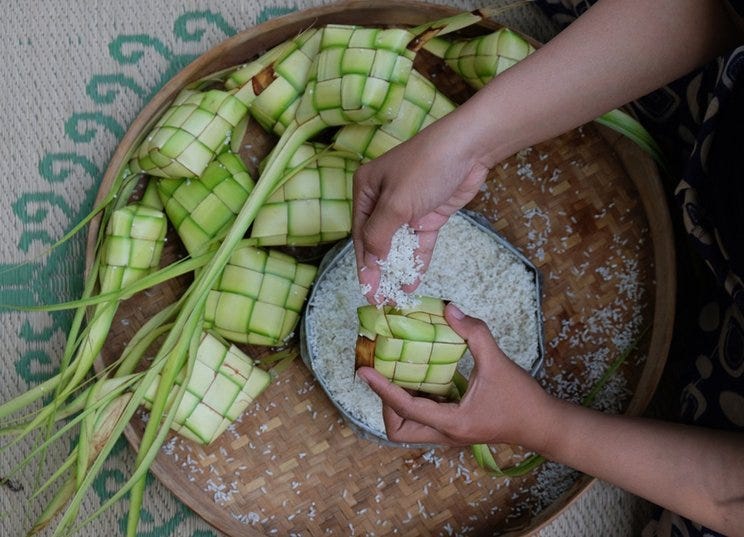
<point x="402" y="267"/>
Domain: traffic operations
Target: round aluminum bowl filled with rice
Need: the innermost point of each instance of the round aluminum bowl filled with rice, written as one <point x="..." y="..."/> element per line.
<point x="472" y="266"/>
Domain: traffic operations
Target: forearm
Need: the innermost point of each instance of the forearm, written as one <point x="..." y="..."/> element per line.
<point x="693" y="471"/>
<point x="617" y="51"/>
<point x="696" y="472"/>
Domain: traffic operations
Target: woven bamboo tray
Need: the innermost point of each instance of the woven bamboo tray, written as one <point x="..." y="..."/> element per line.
<point x="588" y="210"/>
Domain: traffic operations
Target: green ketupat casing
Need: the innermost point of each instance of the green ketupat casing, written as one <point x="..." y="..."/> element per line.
<point x="259" y="296"/>
<point x="197" y="127"/>
<point x="274" y="92"/>
<point x="135" y="236"/>
<point x="312" y="207"/>
<point x="414" y="348"/>
<point x="480" y="59"/>
<point x="224" y="382"/>
<point x="202" y="209"/>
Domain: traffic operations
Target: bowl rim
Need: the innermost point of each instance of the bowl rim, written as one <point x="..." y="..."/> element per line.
<point x="341" y="250"/>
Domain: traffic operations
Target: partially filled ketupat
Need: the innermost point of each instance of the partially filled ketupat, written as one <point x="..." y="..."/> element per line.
<point x="415" y="348"/>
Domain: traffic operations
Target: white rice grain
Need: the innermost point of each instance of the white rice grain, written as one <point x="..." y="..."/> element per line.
<point x="401" y="268"/>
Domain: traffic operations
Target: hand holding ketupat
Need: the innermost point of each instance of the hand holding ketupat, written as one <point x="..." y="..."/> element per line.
<point x="519" y="399"/>
<point x="616" y="52"/>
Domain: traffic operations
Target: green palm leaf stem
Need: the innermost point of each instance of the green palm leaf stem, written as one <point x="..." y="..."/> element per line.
<point x="133" y="244"/>
<point x="104" y="403"/>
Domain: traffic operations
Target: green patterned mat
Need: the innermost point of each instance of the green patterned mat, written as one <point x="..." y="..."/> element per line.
<point x="76" y="75"/>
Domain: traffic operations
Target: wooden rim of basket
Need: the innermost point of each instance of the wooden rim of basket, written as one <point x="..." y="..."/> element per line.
<point x="641" y="168"/>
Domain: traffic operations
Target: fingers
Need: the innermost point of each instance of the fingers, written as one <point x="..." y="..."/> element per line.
<point x="373" y="236"/>
<point x="476" y="334"/>
<point x="495" y="382"/>
<point x="427" y="240"/>
<point x="399" y="429"/>
<point x="373" y="224"/>
<point x="419" y="409"/>
<point x="364" y="200"/>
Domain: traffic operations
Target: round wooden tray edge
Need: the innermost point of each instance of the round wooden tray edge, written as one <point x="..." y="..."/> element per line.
<point x="279" y="28"/>
<point x="645" y="176"/>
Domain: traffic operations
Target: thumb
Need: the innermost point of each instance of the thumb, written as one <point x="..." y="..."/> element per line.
<point x="476" y="334"/>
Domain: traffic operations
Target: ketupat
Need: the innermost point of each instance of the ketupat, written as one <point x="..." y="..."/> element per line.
<point x="201" y="123"/>
<point x="131" y="249"/>
<point x="274" y="92"/>
<point x="479" y="59"/>
<point x="311" y="208"/>
<point x="222" y="386"/>
<point x="258" y="297"/>
<point x="422" y="104"/>
<point x="225" y="382"/>
<point x="197" y="127"/>
<point x="415" y="348"/>
<point x="201" y="210"/>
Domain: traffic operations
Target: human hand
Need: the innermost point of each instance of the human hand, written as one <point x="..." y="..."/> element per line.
<point x="421" y="182"/>
<point x="503" y="403"/>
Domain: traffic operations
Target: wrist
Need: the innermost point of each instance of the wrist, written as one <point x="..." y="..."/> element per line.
<point x="541" y="431"/>
<point x="489" y="139"/>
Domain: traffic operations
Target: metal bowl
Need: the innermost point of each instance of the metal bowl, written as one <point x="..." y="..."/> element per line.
<point x="308" y="329"/>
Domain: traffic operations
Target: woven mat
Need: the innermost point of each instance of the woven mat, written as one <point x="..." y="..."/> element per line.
<point x="76" y="75"/>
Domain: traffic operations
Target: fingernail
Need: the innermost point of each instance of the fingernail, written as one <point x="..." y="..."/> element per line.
<point x="455" y="311"/>
<point x="361" y="376"/>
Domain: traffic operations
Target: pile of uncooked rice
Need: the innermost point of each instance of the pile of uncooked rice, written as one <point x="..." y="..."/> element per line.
<point x="469" y="268"/>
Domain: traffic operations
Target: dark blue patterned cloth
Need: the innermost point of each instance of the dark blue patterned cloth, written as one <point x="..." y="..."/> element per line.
<point x="699" y="121"/>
